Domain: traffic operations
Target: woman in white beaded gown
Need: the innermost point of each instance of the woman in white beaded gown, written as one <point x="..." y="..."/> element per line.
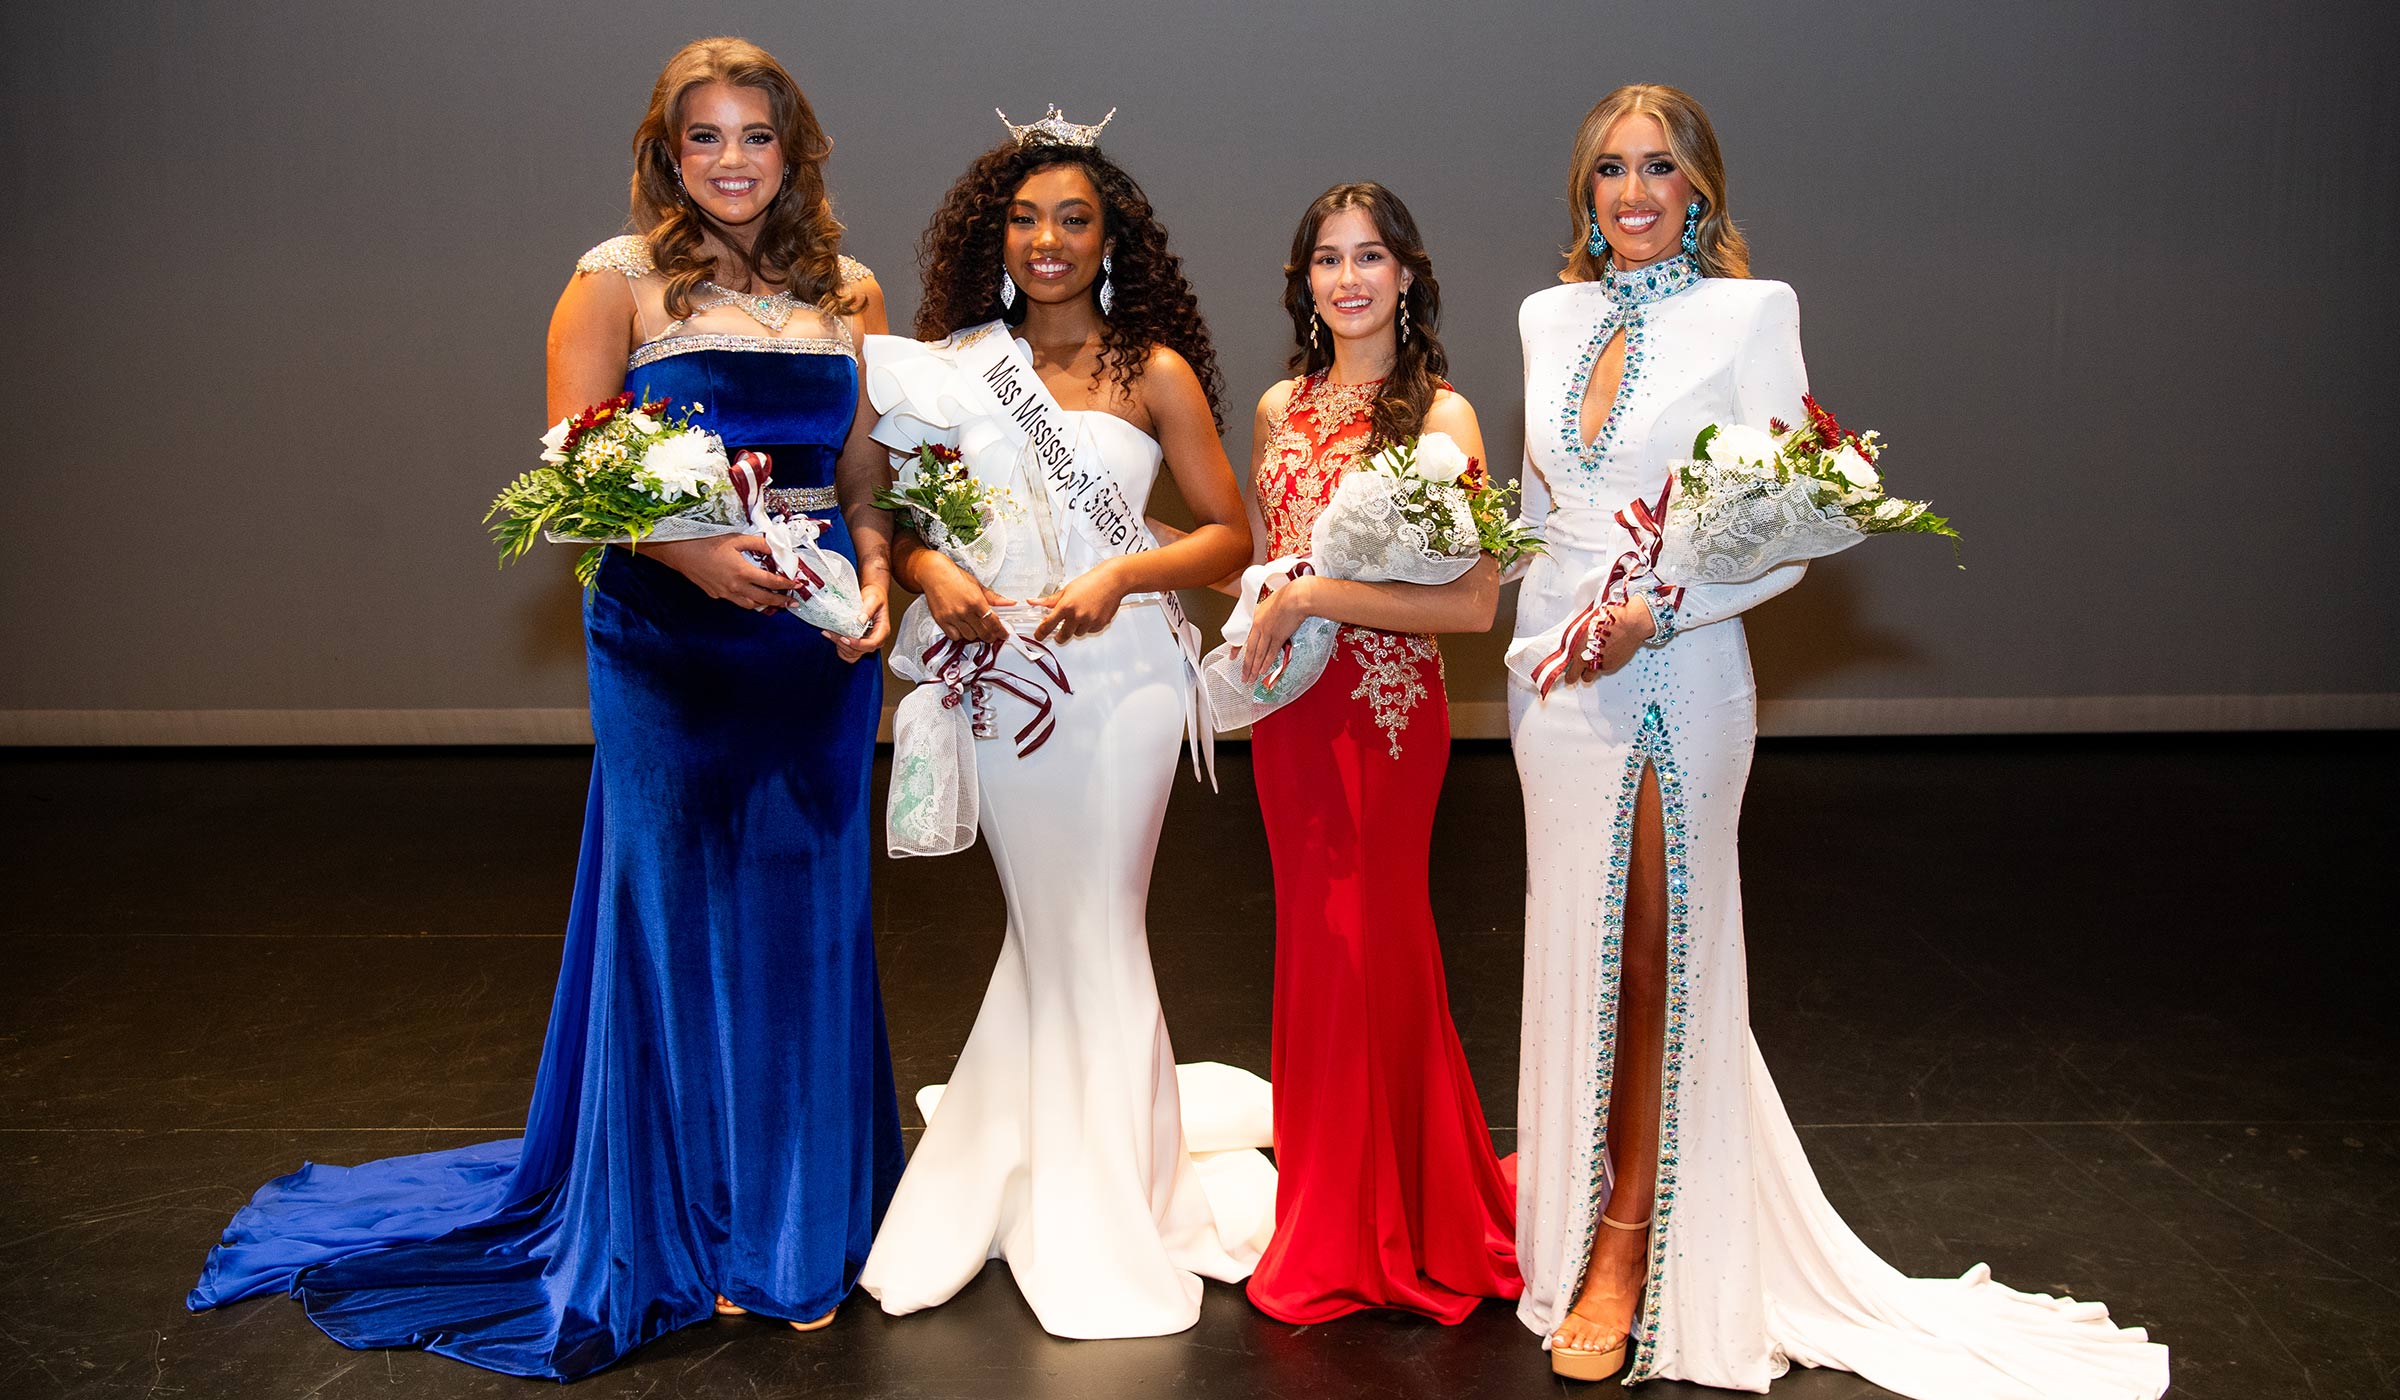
<point x="1664" y="1207"/>
<point x="1070" y="359"/>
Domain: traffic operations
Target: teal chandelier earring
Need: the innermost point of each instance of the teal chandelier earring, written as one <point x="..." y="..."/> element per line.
<point x="1596" y="245"/>
<point x="1691" y="227"/>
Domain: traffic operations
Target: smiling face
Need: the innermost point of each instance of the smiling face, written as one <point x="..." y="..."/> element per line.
<point x="728" y="153"/>
<point x="1353" y="277"/>
<point x="1639" y="192"/>
<point x="1054" y="239"/>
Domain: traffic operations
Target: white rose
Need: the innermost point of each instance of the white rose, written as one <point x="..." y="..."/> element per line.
<point x="1852" y="466"/>
<point x="1439" y="458"/>
<point x="689" y="463"/>
<point x="554" y="443"/>
<point x="1734" y="444"/>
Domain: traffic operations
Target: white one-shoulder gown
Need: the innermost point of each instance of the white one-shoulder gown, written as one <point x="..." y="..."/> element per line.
<point x="1066" y="1142"/>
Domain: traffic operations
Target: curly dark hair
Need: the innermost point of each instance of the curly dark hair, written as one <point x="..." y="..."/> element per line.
<point x="799" y="241"/>
<point x="1418" y="369"/>
<point x="959" y="261"/>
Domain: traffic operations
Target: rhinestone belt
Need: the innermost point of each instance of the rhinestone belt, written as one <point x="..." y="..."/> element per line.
<point x="792" y="500"/>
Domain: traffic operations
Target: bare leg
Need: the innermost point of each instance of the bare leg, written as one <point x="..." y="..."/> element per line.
<point x="1603" y="1313"/>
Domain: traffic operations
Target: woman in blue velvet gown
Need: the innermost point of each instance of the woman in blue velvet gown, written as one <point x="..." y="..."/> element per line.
<point x="713" y="1125"/>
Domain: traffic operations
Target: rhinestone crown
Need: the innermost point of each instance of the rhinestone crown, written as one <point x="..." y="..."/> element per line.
<point x="1056" y="129"/>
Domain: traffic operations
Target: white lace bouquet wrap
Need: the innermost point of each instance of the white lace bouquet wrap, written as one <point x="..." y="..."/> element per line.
<point x="1402" y="518"/>
<point x="1748" y="501"/>
<point x="935" y="800"/>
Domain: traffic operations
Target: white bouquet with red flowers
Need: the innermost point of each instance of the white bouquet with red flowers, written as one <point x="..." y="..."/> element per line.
<point x="1421" y="511"/>
<point x="628" y="471"/>
<point x="1749" y="500"/>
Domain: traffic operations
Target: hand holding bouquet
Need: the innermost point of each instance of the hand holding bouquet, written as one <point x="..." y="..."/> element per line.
<point x="628" y="470"/>
<point x="941" y="501"/>
<point x="1417" y="512"/>
<point x="1746" y="502"/>
<point x="1750" y="500"/>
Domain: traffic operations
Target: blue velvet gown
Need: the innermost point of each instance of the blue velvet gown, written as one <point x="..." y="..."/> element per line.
<point x="714" y="1109"/>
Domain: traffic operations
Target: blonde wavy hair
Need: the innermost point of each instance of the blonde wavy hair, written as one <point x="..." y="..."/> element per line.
<point x="1723" y="252"/>
<point x="799" y="241"/>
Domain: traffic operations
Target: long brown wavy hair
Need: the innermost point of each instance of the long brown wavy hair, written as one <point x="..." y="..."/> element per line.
<point x="1419" y="369"/>
<point x="799" y="242"/>
<point x="959" y="260"/>
<point x="1723" y="252"/>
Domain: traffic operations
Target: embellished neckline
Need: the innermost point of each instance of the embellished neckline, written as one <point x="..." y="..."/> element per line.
<point x="769" y="309"/>
<point x="1330" y="407"/>
<point x="1657" y="282"/>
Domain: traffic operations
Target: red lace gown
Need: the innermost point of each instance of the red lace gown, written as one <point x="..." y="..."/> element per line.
<point x="1389" y="1194"/>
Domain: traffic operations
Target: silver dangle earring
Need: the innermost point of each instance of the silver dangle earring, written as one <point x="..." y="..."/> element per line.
<point x="1108" y="291"/>
<point x="1312" y="332"/>
<point x="1596" y="245"/>
<point x="1691" y="227"/>
<point x="1404" y="318"/>
<point x="1008" y="290"/>
<point x="682" y="193"/>
<point x="784" y="188"/>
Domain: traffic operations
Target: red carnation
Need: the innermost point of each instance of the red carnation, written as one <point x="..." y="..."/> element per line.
<point x="944" y="454"/>
<point x="1828" y="431"/>
<point x="1778" y="427"/>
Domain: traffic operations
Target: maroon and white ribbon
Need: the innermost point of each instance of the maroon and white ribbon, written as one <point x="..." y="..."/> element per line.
<point x="969" y="671"/>
<point x="751" y="471"/>
<point x="1646" y="525"/>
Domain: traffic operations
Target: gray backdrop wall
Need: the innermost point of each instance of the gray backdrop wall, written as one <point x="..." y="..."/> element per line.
<point x="2116" y="281"/>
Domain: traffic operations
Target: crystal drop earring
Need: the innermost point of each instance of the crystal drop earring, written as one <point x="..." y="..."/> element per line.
<point x="1312" y="332"/>
<point x="1404" y="318"/>
<point x="1008" y="290"/>
<point x="1108" y="292"/>
<point x="1691" y="227"/>
<point x="1596" y="245"/>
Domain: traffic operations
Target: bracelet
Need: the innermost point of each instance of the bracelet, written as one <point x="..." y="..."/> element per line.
<point x="1662" y="617"/>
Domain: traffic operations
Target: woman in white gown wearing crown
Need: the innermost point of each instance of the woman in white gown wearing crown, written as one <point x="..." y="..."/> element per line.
<point x="1665" y="1211"/>
<point x="1070" y="360"/>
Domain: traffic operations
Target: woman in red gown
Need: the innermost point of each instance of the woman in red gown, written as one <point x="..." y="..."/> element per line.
<point x="1390" y="1196"/>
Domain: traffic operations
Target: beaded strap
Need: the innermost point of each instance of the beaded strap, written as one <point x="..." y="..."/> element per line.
<point x="1662" y="615"/>
<point x="627" y="253"/>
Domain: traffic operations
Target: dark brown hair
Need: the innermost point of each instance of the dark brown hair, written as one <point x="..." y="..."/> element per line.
<point x="959" y="259"/>
<point x="1418" y="370"/>
<point x="799" y="242"/>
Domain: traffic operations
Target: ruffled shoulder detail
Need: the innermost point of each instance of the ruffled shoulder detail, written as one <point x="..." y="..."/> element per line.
<point x="627" y="253"/>
<point x="922" y="396"/>
<point x="853" y="270"/>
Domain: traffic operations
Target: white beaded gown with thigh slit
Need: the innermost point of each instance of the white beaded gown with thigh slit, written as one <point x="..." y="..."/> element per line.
<point x="1750" y="1269"/>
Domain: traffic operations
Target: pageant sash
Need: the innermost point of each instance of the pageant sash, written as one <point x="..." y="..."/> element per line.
<point x="1071" y="487"/>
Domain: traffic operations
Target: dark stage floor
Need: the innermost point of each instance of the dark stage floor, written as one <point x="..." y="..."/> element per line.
<point x="2108" y="1014"/>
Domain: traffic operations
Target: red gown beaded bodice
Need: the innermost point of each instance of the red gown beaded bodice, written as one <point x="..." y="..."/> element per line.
<point x="1323" y="432"/>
